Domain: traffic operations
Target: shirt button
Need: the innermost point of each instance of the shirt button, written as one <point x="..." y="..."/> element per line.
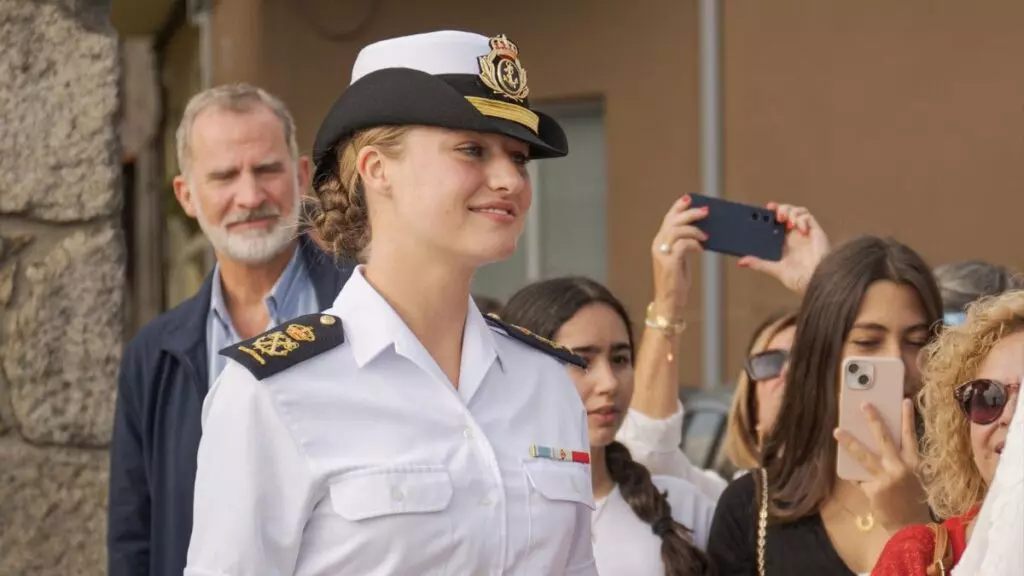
<point x="486" y="503"/>
<point x="396" y="494"/>
<point x="467" y="433"/>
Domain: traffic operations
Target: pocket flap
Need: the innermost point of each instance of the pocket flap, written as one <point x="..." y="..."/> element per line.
<point x="566" y="482"/>
<point x="363" y="494"/>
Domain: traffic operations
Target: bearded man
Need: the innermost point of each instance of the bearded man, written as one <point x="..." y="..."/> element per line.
<point x="242" y="178"/>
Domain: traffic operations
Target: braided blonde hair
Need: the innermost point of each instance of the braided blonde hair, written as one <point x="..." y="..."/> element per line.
<point x="339" y="212"/>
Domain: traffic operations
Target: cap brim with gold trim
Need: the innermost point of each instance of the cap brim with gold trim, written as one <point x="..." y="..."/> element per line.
<point x="448" y="79"/>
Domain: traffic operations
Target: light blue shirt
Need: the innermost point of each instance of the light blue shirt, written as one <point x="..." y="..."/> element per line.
<point x="292" y="295"/>
<point x="954" y="318"/>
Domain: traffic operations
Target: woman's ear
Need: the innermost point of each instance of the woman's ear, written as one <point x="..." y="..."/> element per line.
<point x="370" y="165"/>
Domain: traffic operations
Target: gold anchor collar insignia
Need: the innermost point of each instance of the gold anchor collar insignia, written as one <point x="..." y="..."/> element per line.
<point x="501" y="71"/>
<point x="288" y="344"/>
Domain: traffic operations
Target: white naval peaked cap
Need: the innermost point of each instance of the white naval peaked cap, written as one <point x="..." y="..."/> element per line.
<point x="442" y="52"/>
<point x="448" y="79"/>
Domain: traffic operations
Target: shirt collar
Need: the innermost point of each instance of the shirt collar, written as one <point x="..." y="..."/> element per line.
<point x="278" y="293"/>
<point x="372" y="325"/>
<point x="284" y="285"/>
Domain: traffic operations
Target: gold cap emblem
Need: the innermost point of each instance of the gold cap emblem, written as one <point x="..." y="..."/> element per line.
<point x="501" y="71"/>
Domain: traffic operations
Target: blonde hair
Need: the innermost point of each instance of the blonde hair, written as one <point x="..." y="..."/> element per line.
<point x="340" y="216"/>
<point x="742" y="446"/>
<point x="236" y="98"/>
<point x="952" y="481"/>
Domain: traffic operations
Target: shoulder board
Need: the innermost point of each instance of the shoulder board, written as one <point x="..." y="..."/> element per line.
<point x="540" y="343"/>
<point x="286" y="345"/>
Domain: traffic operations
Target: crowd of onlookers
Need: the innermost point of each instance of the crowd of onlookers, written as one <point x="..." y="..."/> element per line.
<point x="959" y="332"/>
<point x="939" y="490"/>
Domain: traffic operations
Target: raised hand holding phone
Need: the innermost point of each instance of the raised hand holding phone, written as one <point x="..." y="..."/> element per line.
<point x="805" y="245"/>
<point x="677" y="237"/>
<point x="879" y="453"/>
<point x="876" y="383"/>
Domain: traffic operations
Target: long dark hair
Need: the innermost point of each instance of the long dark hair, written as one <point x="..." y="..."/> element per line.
<point x="800" y="452"/>
<point x="542" y="308"/>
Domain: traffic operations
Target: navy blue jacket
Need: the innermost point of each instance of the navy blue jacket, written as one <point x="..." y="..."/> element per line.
<point x="160" y="391"/>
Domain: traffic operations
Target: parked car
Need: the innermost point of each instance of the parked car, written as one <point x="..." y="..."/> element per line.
<point x="704" y="426"/>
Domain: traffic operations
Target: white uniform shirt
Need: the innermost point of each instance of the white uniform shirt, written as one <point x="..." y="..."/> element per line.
<point x="656" y="445"/>
<point x="364" y="460"/>
<point x="625" y="545"/>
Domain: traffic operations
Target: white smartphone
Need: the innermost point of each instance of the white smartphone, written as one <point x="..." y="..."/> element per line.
<point x="880" y="382"/>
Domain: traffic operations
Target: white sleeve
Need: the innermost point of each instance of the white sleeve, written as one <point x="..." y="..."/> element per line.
<point x="690" y="507"/>
<point x="254" y="489"/>
<point x="995" y="546"/>
<point x="655" y="444"/>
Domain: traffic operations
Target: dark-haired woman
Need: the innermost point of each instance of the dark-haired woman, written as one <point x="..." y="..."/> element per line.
<point x="870" y="297"/>
<point x="643" y="525"/>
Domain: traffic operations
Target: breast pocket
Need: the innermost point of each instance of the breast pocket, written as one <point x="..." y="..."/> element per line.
<point x="396" y="516"/>
<point x="557" y="490"/>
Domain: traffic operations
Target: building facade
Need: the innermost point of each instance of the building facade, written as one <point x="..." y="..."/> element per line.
<point x="895" y="118"/>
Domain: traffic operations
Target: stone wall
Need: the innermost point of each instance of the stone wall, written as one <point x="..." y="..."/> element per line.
<point x="62" y="282"/>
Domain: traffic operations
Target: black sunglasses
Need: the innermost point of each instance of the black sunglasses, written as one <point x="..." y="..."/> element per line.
<point x="766" y="365"/>
<point x="983" y="400"/>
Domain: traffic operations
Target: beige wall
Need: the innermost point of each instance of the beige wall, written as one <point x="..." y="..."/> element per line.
<point x="899" y="118"/>
<point x="885" y="117"/>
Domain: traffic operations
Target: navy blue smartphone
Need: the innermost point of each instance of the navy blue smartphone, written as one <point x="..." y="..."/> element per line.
<point x="740" y="229"/>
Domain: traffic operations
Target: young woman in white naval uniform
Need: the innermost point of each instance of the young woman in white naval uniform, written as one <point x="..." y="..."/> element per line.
<point x="400" y="432"/>
<point x="643" y="525"/>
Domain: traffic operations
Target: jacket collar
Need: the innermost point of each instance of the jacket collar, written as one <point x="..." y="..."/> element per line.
<point x="186" y="335"/>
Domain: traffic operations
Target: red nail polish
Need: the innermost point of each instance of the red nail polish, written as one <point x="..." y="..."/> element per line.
<point x="686" y="198"/>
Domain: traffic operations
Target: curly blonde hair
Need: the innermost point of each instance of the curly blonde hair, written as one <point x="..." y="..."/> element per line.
<point x="951" y="479"/>
<point x="339" y="211"/>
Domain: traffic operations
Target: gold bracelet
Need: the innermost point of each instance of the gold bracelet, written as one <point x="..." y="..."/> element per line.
<point x="668" y="327"/>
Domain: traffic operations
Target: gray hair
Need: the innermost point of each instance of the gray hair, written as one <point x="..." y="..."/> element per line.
<point x="236" y="98"/>
<point x="961" y="283"/>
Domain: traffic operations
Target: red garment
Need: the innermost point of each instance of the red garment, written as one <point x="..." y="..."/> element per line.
<point x="911" y="550"/>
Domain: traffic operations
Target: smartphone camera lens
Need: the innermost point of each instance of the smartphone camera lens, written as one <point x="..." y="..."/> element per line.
<point x="852" y="368"/>
<point x="863" y="379"/>
<point x="754" y="216"/>
<point x="765" y="218"/>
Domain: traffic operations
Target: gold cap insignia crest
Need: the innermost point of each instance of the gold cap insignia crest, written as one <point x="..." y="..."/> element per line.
<point x="501" y="71"/>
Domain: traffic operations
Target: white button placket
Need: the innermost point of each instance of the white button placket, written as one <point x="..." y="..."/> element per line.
<point x="492" y="503"/>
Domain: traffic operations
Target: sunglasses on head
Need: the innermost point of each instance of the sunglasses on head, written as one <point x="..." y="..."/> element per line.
<point x="983" y="400"/>
<point x="766" y="365"/>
